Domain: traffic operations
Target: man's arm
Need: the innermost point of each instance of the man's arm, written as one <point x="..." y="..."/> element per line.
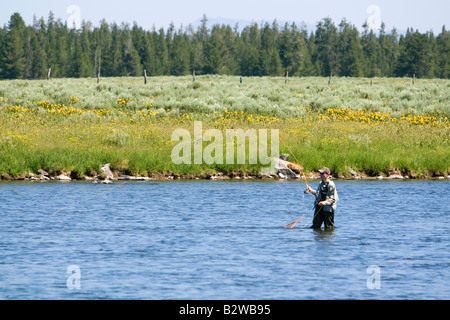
<point x="311" y="190"/>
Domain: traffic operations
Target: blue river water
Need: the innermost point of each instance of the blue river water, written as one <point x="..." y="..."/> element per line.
<point x="210" y="240"/>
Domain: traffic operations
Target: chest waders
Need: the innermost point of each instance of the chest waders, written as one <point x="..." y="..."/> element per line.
<point x="320" y="216"/>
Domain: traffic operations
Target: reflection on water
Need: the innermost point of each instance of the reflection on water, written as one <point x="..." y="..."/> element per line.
<point x="222" y="240"/>
<point x="324" y="234"/>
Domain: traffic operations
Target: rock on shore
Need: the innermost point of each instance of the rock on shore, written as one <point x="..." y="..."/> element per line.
<point x="281" y="169"/>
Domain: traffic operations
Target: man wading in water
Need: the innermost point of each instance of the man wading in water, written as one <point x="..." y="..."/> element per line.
<point x="326" y="199"/>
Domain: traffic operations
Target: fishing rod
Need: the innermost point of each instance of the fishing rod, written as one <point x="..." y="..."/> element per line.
<point x="297" y="162"/>
<point x="292" y="224"/>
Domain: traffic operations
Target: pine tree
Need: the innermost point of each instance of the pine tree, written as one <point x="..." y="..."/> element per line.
<point x="143" y="47"/>
<point x="39" y="67"/>
<point x="14" y="60"/>
<point x="51" y="46"/>
<point x="443" y="54"/>
<point x="214" y="51"/>
<point x="196" y="52"/>
<point x="312" y="50"/>
<point x="199" y="40"/>
<point x="284" y="47"/>
<point x="162" y="53"/>
<point x="76" y="69"/>
<point x="29" y="51"/>
<point x="389" y="49"/>
<point x="104" y="51"/>
<point x="131" y="59"/>
<point x="415" y="55"/>
<point x="2" y="52"/>
<point x="114" y="56"/>
<point x="249" y="51"/>
<point x="267" y="43"/>
<point x="87" y="61"/>
<point x="149" y="61"/>
<point x="61" y="47"/>
<point x="350" y="51"/>
<point x="372" y="52"/>
<point x="229" y="53"/>
<point x="307" y="67"/>
<point x="326" y="39"/>
<point x="179" y="55"/>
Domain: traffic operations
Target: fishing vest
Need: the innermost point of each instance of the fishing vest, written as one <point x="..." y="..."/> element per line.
<point x="324" y="191"/>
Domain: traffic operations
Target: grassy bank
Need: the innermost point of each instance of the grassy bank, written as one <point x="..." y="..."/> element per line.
<point x="75" y="126"/>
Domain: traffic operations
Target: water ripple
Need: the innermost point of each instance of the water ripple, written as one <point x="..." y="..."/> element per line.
<point x="222" y="240"/>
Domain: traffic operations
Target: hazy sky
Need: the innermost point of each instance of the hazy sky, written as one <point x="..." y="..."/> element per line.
<point x="419" y="14"/>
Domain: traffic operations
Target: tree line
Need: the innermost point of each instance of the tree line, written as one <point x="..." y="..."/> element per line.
<point x="266" y="49"/>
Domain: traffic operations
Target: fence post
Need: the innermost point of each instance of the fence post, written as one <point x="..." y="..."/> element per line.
<point x="145" y="76"/>
<point x="49" y="73"/>
<point x="193" y="76"/>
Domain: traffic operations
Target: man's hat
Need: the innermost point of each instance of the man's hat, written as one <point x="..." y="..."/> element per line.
<point x="325" y="170"/>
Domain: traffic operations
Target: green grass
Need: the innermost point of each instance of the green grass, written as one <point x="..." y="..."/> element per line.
<point x="38" y="132"/>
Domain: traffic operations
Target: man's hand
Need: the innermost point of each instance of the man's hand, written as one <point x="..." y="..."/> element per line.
<point x="321" y="203"/>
